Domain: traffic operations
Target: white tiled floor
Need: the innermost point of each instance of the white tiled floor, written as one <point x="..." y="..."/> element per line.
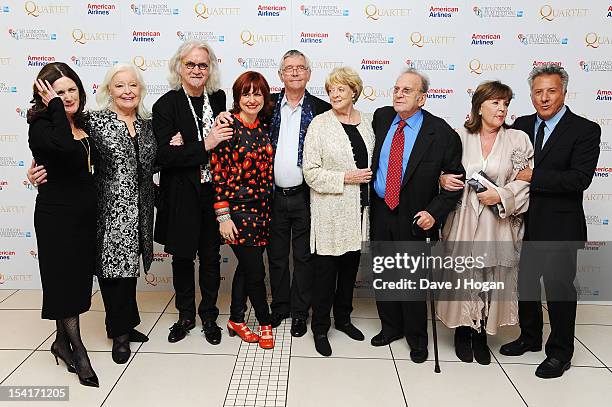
<point x="195" y="373"/>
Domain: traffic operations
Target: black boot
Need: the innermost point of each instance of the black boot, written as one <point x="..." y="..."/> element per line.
<point x="482" y="354"/>
<point x="463" y="344"/>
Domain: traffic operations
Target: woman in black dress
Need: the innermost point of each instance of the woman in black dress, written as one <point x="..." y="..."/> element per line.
<point x="65" y="214"/>
<point x="242" y="176"/>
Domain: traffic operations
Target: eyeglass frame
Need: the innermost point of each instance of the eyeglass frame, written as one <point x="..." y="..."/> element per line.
<point x="186" y="65"/>
<point x="299" y="69"/>
<point x="405" y="92"/>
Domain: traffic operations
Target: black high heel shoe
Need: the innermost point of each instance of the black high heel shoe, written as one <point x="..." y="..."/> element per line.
<point x="91" y="381"/>
<point x="55" y="352"/>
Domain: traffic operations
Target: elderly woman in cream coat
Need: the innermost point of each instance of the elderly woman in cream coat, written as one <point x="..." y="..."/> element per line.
<point x="490" y="221"/>
<point x="337" y="157"/>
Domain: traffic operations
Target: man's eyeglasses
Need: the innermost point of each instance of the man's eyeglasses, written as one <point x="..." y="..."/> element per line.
<point x="404" y="91"/>
<point x="191" y="65"/>
<point x="298" y="69"/>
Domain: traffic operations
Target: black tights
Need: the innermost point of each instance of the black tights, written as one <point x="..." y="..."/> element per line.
<point x="69" y="344"/>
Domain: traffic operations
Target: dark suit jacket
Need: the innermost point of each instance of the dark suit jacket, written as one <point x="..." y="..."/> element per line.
<point x="177" y="225"/>
<point x="437" y="148"/>
<point x="561" y="173"/>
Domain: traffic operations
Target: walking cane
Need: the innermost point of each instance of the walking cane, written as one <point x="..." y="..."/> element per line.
<point x="432" y="303"/>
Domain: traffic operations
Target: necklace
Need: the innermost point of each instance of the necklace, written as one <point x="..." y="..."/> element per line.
<point x="87" y="148"/>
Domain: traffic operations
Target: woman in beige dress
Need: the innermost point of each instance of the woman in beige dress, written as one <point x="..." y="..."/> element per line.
<point x="492" y="216"/>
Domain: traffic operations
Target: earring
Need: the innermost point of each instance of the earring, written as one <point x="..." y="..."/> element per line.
<point x="480" y="113"/>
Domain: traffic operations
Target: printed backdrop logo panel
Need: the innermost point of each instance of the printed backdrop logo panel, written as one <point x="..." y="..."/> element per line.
<point x="457" y="43"/>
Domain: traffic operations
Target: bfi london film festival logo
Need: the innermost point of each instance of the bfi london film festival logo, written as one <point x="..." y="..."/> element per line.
<point x="10" y="233"/>
<point x="6" y="87"/>
<point x="429" y="65"/>
<point x="37" y="9"/>
<point x="271" y="10"/>
<point x="542" y="39"/>
<point x="597" y="220"/>
<point x="37" y="61"/>
<point x="497" y="12"/>
<point x="550" y="13"/>
<point x="101" y="9"/>
<point x="153" y="9"/>
<point x="83" y="37"/>
<point x="369" y="38"/>
<point x="323" y="10"/>
<point x="208" y="36"/>
<point x="144" y="63"/>
<point x="257" y="63"/>
<point x="252" y="38"/>
<point x="5" y="9"/>
<point x="420" y="40"/>
<point x="596" y="65"/>
<point x="477" y="67"/>
<point x="595" y="40"/>
<point x="93" y="61"/>
<point x="204" y="12"/>
<point x="32" y="34"/>
<point x="375" y="13"/>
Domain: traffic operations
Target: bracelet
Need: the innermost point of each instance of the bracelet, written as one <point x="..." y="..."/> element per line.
<point x="224" y="218"/>
<point x="221" y="208"/>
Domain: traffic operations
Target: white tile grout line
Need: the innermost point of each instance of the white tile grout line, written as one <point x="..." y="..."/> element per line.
<point x="10" y="295"/>
<point x="261" y="376"/>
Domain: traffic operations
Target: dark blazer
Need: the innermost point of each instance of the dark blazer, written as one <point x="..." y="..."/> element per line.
<point x="562" y="172"/>
<point x="437" y="148"/>
<point x="177" y="225"/>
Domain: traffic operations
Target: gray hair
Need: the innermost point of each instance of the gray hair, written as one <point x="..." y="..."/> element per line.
<point x="103" y="97"/>
<point x="549" y="69"/>
<point x="424" y="78"/>
<point x="293" y="53"/>
<point x="213" y="83"/>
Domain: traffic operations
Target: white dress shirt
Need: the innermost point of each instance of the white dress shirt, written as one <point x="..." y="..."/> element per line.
<point x="286" y="171"/>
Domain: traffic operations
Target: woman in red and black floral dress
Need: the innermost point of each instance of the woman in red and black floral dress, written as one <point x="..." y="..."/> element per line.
<point x="242" y="176"/>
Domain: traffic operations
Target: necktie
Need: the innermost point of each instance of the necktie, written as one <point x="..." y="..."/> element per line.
<point x="539" y="140"/>
<point x="394" y="170"/>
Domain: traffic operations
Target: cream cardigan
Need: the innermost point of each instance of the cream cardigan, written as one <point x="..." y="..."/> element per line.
<point x="337" y="225"/>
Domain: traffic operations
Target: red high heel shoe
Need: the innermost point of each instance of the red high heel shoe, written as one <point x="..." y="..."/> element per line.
<point x="266" y="340"/>
<point x="243" y="331"/>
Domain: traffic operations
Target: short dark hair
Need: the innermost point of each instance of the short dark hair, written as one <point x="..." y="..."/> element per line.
<point x="242" y="86"/>
<point x="52" y="72"/>
<point x="486" y="91"/>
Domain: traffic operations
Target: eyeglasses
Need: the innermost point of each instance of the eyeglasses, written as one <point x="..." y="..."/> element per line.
<point x="298" y="69"/>
<point x="191" y="65"/>
<point x="404" y="91"/>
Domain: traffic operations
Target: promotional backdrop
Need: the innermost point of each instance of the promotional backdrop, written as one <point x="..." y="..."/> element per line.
<point x="458" y="44"/>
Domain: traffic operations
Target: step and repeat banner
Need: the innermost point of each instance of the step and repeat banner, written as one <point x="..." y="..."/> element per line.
<point x="458" y="44"/>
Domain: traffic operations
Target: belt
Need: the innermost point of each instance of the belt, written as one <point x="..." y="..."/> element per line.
<point x="291" y="190"/>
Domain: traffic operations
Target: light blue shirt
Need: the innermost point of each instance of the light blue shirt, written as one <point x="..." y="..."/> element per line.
<point x="411" y="130"/>
<point x="549" y="125"/>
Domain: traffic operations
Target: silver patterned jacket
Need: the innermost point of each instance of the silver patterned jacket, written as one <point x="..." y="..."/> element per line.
<point x="125" y="194"/>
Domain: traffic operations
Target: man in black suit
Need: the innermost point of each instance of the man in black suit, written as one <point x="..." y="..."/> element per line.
<point x="293" y="110"/>
<point x="412" y="148"/>
<point x="566" y="152"/>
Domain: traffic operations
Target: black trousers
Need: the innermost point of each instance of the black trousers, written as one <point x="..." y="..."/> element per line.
<point x="249" y="282"/>
<point x="183" y="272"/>
<point x="290" y="227"/>
<point x="398" y="318"/>
<point x="333" y="286"/>
<point x="558" y="271"/>
<point x="119" y="296"/>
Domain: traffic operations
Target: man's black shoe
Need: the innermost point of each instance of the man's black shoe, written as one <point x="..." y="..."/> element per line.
<point x="298" y="327"/>
<point x="322" y="344"/>
<point x="277" y="319"/>
<point x="179" y="330"/>
<point x="551" y="368"/>
<point x="518" y="347"/>
<point x="351" y="330"/>
<point x="380" y="339"/>
<point x="212" y="332"/>
<point x="418" y="355"/>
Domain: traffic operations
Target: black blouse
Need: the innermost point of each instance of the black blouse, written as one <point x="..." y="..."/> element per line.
<point x="360" y="154"/>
